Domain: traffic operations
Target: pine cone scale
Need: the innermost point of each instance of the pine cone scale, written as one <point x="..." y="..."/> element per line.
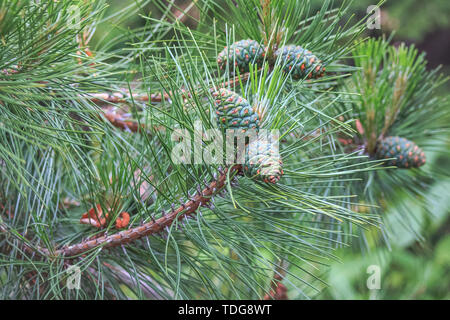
<point x="241" y="53"/>
<point x="406" y="153"/>
<point x="299" y="62"/>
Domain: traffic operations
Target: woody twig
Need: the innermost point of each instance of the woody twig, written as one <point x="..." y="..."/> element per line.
<point x="155" y="226"/>
<point x="124" y="96"/>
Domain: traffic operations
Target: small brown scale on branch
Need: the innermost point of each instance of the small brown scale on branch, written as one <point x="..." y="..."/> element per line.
<point x="153" y="227"/>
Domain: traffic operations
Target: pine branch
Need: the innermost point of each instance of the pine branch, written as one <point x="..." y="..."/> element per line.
<point x="120" y="122"/>
<point x="202" y="198"/>
<point x="51" y="105"/>
<point x="124" y="96"/>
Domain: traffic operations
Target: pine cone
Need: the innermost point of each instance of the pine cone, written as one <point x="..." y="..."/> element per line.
<point x="406" y="153"/>
<point x="263" y="161"/>
<point x="245" y="52"/>
<point x="233" y="111"/>
<point x="301" y="61"/>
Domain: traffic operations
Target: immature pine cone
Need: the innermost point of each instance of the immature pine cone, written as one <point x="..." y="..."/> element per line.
<point x="234" y="112"/>
<point x="241" y="53"/>
<point x="406" y="153"/>
<point x="300" y="62"/>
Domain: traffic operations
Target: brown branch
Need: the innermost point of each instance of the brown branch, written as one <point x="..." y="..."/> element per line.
<point x="121" y="97"/>
<point x="153" y="227"/>
<point x="120" y="122"/>
<point x="118" y="97"/>
<point x="201" y="198"/>
<point x="123" y="123"/>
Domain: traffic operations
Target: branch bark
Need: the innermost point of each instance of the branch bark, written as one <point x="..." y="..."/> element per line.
<point x="201" y="198"/>
<point x="126" y="96"/>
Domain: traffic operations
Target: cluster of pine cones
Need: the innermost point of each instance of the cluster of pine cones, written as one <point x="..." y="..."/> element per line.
<point x="262" y="159"/>
<point x="299" y="63"/>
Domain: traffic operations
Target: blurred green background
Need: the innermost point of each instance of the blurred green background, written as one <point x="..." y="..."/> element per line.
<point x="410" y="268"/>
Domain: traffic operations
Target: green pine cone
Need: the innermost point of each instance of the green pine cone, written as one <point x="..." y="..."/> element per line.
<point x="300" y="62"/>
<point x="245" y="52"/>
<point x="263" y="161"/>
<point x="406" y="153"/>
<point x="234" y="112"/>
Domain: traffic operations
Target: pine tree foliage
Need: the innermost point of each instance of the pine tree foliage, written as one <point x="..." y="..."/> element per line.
<point x="87" y="140"/>
<point x="396" y="97"/>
